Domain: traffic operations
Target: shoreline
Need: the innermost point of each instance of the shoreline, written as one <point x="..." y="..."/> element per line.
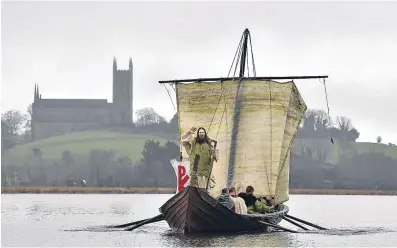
<point x="107" y="190"/>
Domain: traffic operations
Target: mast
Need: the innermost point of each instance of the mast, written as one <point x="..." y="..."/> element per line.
<point x="243" y="60"/>
<point x="276" y="177"/>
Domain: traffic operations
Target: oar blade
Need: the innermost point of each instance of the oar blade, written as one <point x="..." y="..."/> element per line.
<point x="127" y="224"/>
<point x="278" y="227"/>
<point x="306" y="222"/>
<point x="148" y="221"/>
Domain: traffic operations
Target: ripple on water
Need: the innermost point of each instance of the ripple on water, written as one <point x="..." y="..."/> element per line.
<point x="80" y="220"/>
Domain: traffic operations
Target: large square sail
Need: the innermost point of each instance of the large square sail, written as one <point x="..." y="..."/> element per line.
<point x="254" y="125"/>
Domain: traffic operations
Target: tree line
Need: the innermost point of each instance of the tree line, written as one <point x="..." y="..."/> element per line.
<point x="366" y="171"/>
<point x="309" y="168"/>
<point x="103" y="168"/>
<point x="316" y="124"/>
<point x="16" y="125"/>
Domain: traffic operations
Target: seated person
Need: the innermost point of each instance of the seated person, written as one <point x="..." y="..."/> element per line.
<point x="239" y="203"/>
<point x="254" y="205"/>
<point x="269" y="201"/>
<point x="225" y="199"/>
<point x="248" y="196"/>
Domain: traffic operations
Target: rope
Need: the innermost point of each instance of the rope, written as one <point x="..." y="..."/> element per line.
<point x="225" y="100"/>
<point x="238" y="55"/>
<point x="248" y="68"/>
<point x="252" y="55"/>
<point x="286" y="154"/>
<point x="170" y="97"/>
<point x="216" y="109"/>
<point x="326" y="99"/>
<point x="173" y="87"/>
<point x="223" y="113"/>
<point x="238" y="51"/>
<point x="226" y="133"/>
<point x="270" y="140"/>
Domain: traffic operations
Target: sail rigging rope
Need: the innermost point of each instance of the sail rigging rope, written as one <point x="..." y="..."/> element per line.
<point x="238" y="51"/>
<point x="236" y="118"/>
<point x="238" y="54"/>
<point x="237" y="107"/>
<point x="169" y="96"/>
<point x="248" y="68"/>
<point x="173" y="87"/>
<point x="326" y="99"/>
<point x="252" y="55"/>
<point x="270" y="140"/>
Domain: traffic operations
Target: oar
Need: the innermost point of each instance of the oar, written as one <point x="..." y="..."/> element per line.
<point x="296" y="224"/>
<point x="305" y="222"/>
<point x="148" y="221"/>
<point x="278" y="227"/>
<point x="128" y="224"/>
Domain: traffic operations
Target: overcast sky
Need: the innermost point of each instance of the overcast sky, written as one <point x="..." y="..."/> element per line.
<point x="68" y="48"/>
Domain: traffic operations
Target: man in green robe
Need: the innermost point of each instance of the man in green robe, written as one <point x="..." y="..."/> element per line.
<point x="201" y="145"/>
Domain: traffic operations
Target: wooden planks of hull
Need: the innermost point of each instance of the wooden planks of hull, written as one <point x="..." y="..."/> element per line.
<point x="194" y="211"/>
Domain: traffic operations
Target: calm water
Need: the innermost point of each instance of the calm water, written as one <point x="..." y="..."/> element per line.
<point x="76" y="220"/>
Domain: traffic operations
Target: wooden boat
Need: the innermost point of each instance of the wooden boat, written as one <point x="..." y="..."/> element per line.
<point x="193" y="210"/>
<point x="253" y="134"/>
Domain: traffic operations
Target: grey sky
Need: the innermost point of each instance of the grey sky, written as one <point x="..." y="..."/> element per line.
<point x="68" y="47"/>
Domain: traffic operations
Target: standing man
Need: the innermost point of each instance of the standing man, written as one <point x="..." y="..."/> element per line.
<point x="200" y="145"/>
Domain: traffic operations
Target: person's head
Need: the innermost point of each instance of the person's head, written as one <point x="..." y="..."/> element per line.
<point x="272" y="201"/>
<point x="225" y="191"/>
<point x="266" y="200"/>
<point x="232" y="191"/>
<point x="249" y="190"/>
<point x="201" y="133"/>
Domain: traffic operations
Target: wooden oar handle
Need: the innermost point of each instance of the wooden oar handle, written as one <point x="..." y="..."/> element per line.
<point x="193" y="173"/>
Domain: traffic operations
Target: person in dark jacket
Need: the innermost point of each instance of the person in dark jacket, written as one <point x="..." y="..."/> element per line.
<point x="254" y="205"/>
<point x="248" y="196"/>
<point x="225" y="199"/>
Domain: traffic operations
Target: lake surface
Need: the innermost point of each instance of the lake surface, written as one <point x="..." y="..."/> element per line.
<point x="78" y="220"/>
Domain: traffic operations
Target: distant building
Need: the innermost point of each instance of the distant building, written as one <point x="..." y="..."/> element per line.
<point x="59" y="116"/>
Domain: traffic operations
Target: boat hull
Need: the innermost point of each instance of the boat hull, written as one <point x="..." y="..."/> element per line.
<point x="194" y="211"/>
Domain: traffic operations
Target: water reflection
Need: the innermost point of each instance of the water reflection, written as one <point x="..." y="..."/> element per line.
<point x="275" y="239"/>
<point x="47" y="211"/>
<point x="78" y="221"/>
<point x="120" y="208"/>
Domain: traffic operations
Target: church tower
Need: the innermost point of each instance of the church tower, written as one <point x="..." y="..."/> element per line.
<point x="122" y="95"/>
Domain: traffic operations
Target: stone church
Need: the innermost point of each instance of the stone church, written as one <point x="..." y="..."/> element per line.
<point x="59" y="116"/>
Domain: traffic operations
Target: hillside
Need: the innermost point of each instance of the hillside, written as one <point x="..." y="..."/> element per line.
<point x="334" y="151"/>
<point x="131" y="144"/>
<point x="80" y="144"/>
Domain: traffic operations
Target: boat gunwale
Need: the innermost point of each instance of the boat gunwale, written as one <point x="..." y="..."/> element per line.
<point x="251" y="217"/>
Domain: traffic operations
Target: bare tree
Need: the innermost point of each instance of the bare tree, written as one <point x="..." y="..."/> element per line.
<point x="322" y="120"/>
<point x="27" y="133"/>
<point x="147" y="116"/>
<point x="29" y="114"/>
<point x="344" y="124"/>
<point x="309" y="120"/>
<point x="14" y="121"/>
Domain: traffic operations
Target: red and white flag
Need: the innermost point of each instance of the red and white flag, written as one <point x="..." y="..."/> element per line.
<point x="182" y="172"/>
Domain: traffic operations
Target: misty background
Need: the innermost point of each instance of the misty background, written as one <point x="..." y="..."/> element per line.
<point x="68" y="49"/>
